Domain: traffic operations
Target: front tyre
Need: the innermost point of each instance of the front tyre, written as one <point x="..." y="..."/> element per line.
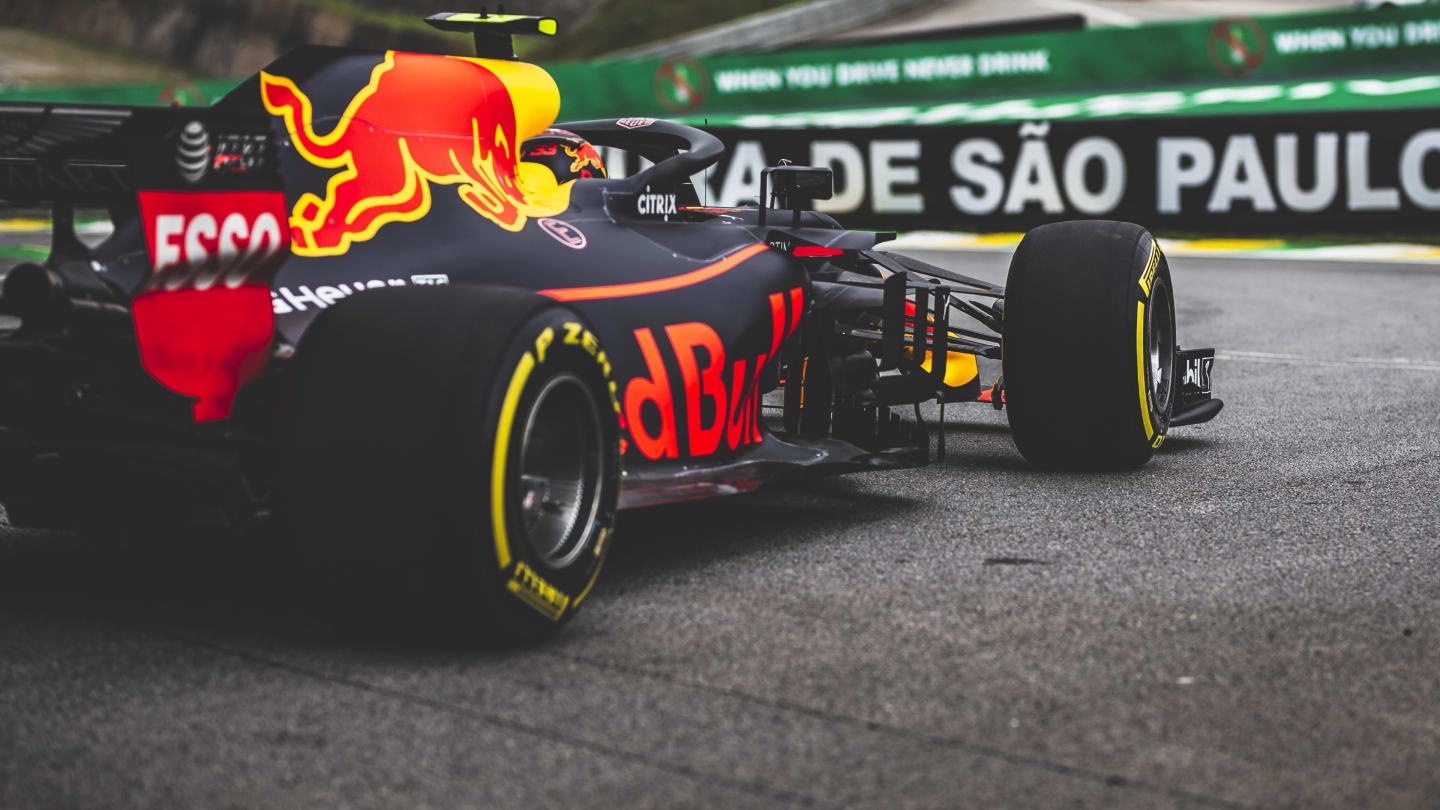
<point x="1089" y="346"/>
<point x="454" y="458"/>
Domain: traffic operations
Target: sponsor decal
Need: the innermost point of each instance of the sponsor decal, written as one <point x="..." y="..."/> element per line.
<point x="1197" y="373"/>
<point x="563" y="232"/>
<point x="650" y="204"/>
<point x="203" y="321"/>
<point x="721" y="399"/>
<point x="635" y="123"/>
<point x="578" y="335"/>
<point x="203" y="239"/>
<point x="192" y="152"/>
<point x="287" y="300"/>
<point x="1151" y="265"/>
<point x="533" y="590"/>
<point x="472" y="141"/>
<point x="238" y="153"/>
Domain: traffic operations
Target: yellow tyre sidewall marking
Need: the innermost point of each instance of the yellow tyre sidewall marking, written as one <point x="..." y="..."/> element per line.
<point x="1140" y="370"/>
<point x="601" y="548"/>
<point x="578" y="335"/>
<point x="551" y="608"/>
<point x="1147" y="282"/>
<point x="1152" y="263"/>
<point x="532" y="589"/>
<point x="502" y="451"/>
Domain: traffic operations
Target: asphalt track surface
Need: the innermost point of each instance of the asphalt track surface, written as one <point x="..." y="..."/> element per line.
<point x="1250" y="620"/>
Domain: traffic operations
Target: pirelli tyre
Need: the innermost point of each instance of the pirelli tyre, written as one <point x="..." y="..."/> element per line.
<point x="1089" y="346"/>
<point x="453" y="459"/>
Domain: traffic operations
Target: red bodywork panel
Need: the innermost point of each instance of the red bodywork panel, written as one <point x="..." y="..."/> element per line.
<point x="204" y="320"/>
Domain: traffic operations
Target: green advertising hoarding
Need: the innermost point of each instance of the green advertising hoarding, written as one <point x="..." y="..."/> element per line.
<point x="1233" y="49"/>
<point x="1109" y="72"/>
<point x="184" y="93"/>
<point x="1390" y="92"/>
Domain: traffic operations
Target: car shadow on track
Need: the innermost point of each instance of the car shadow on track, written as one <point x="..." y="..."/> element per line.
<point x="973" y="445"/>
<point x="664" y="540"/>
<point x="988" y="446"/>
<point x="207" y="580"/>
<point x="227" y="589"/>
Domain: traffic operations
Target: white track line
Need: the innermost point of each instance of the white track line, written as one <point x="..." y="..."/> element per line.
<point x="1230" y="249"/>
<point x="1295" y="359"/>
<point x="1355" y="254"/>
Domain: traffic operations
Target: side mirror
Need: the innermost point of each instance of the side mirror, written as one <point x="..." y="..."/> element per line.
<point x="795" y="183"/>
<point x="792" y="186"/>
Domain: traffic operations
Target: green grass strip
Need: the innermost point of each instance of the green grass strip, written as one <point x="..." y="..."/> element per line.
<point x="25" y="252"/>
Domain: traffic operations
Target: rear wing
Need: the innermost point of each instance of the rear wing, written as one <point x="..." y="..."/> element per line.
<point x="103" y="156"/>
<point x="201" y="227"/>
<point x="54" y="152"/>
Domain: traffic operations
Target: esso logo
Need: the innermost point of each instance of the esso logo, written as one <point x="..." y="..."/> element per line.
<point x="200" y="240"/>
<point x="196" y="239"/>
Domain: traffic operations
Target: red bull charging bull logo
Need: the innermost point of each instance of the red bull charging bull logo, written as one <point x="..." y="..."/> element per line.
<point x="585" y="161"/>
<point x="421" y="120"/>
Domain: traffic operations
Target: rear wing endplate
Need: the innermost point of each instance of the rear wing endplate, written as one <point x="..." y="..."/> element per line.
<point x="197" y="200"/>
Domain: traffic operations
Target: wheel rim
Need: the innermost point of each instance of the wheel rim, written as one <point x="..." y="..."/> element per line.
<point x="1161" y="346"/>
<point x="560" y="471"/>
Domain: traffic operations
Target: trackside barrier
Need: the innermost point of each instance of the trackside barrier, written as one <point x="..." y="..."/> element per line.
<point x="1292" y="123"/>
<point x="1234" y="49"/>
<point x="1245" y="174"/>
<point x="161" y="94"/>
<point x="787" y="25"/>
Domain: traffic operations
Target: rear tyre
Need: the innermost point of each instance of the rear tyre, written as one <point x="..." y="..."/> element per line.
<point x="1089" y="346"/>
<point x="455" y="454"/>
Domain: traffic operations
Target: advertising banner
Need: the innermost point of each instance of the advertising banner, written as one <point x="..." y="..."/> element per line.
<point x="1155" y="68"/>
<point x="1232" y="49"/>
<point x="1377" y="173"/>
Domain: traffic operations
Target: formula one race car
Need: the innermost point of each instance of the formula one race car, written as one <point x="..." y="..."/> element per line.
<point x="345" y="295"/>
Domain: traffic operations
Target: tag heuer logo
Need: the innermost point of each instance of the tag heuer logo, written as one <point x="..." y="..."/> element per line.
<point x="192" y="152"/>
